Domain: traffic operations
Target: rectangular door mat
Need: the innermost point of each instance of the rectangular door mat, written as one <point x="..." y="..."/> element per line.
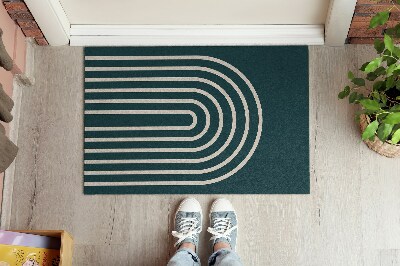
<point x="196" y="120"/>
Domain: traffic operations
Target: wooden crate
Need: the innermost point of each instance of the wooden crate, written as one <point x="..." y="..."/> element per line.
<point x="67" y="243"/>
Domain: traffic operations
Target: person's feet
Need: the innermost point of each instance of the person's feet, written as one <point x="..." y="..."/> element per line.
<point x="223" y="225"/>
<point x="188" y="219"/>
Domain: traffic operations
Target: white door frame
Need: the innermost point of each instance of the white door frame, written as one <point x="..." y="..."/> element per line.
<point x="54" y="23"/>
<point x="338" y="20"/>
<point x="52" y="20"/>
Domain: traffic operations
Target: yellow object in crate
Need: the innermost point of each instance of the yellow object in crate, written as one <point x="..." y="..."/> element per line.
<point x="66" y="244"/>
<point x="11" y="255"/>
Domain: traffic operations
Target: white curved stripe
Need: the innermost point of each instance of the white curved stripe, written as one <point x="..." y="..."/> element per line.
<point x="194" y="116"/>
<point x="205" y="182"/>
<point x="168" y="90"/>
<point x="136" y="112"/>
<point x="131" y="128"/>
<point x="149" y="128"/>
<point x="144" y="128"/>
<point x="196" y="149"/>
<point x="199" y="160"/>
<point x="166" y="161"/>
<point x="136" y="128"/>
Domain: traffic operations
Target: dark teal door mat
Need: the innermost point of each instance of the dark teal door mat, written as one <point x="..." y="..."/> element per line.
<point x="196" y="120"/>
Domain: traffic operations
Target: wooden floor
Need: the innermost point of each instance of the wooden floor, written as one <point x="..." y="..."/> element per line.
<point x="352" y="216"/>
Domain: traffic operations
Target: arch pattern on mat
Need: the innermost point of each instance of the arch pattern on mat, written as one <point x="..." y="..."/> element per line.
<point x="204" y="114"/>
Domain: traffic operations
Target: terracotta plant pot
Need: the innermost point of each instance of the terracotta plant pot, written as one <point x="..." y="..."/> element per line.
<point x="384" y="148"/>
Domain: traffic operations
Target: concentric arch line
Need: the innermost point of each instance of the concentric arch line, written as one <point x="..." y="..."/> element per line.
<point x="138" y="128"/>
<point x="163" y="90"/>
<point x="203" y="182"/>
<point x="191" y="113"/>
<point x="203" y="159"/>
<point x="214" y="155"/>
<point x="197" y="149"/>
<point x="126" y="161"/>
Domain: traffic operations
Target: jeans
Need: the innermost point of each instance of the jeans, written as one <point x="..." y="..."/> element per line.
<point x="223" y="257"/>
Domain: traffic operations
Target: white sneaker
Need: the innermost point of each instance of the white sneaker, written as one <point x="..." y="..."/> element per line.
<point x="188" y="220"/>
<point x="223" y="223"/>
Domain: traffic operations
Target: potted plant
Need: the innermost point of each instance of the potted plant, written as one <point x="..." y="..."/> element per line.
<point x="378" y="92"/>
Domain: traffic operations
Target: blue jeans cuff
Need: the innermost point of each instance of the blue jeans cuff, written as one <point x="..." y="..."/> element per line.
<point x="217" y="253"/>
<point x="191" y="252"/>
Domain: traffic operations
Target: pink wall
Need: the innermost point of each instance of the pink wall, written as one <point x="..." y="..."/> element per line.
<point x="14" y="41"/>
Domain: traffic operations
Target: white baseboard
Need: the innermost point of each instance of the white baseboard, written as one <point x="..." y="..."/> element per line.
<point x="174" y="35"/>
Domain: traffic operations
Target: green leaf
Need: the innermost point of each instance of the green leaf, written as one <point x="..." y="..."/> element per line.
<point x="371" y="76"/>
<point x="379" y="19"/>
<point x="376" y="95"/>
<point x="380" y="71"/>
<point x="384" y="99"/>
<point x="398" y="84"/>
<point x="382" y="116"/>
<point x="370" y="104"/>
<point x="398" y="2"/>
<point x="395" y="108"/>
<point x="396" y="51"/>
<point x="362" y="68"/>
<point x="392" y="118"/>
<point x="359" y="81"/>
<point x="379" y="46"/>
<point x="396" y="137"/>
<point x="362" y="111"/>
<point x="390" y="61"/>
<point x="398" y="98"/>
<point x="378" y="85"/>
<point x="367" y="112"/>
<point x="388" y="43"/>
<point x="343" y="94"/>
<point x="390" y="82"/>
<point x="353" y="97"/>
<point x="396" y="72"/>
<point x="384" y="131"/>
<point x="373" y="65"/>
<point x="370" y="130"/>
<point x="388" y="57"/>
<point x="350" y="75"/>
<point x="390" y="69"/>
<point x="390" y="31"/>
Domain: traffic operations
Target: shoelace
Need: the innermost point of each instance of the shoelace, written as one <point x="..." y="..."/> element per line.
<point x="222" y="228"/>
<point x="188" y="228"/>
